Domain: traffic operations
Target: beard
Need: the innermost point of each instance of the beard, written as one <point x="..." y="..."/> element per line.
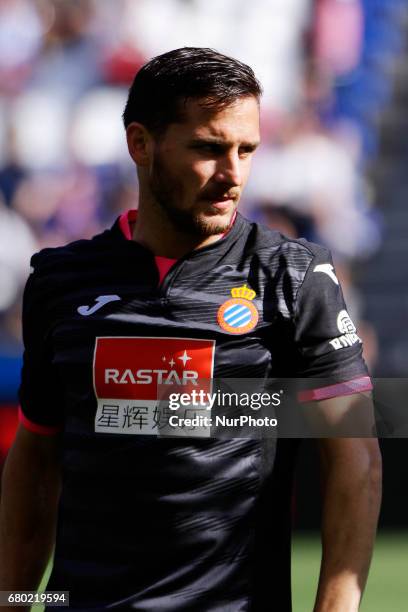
<point x="168" y="192"/>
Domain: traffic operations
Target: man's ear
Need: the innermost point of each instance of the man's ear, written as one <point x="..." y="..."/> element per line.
<point x="140" y="143"/>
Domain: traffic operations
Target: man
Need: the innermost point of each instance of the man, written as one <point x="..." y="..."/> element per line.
<point x="184" y="289"/>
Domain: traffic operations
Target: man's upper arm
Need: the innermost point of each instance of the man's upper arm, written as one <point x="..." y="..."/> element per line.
<point x="31" y="482"/>
<point x="45" y="448"/>
<point x="350" y="421"/>
<point x="349" y="451"/>
<point x="34" y="457"/>
<point x="343" y="416"/>
<point x="353" y="454"/>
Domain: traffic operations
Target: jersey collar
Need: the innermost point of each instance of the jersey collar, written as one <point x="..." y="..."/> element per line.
<point x="123" y="228"/>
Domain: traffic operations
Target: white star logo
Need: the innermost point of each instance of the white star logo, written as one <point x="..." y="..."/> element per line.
<point x="184" y="358"/>
<point x="172" y="362"/>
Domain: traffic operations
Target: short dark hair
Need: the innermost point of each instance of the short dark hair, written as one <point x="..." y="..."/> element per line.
<point x="168" y="81"/>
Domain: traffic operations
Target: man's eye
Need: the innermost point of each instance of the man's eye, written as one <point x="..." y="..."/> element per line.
<point x="245" y="151"/>
<point x="208" y="148"/>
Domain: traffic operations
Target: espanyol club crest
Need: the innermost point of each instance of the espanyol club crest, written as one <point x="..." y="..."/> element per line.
<point x="238" y="315"/>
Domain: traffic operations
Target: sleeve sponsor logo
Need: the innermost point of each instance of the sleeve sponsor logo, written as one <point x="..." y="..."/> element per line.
<point x="131" y="372"/>
<point x="348" y="330"/>
<point x="344" y="324"/>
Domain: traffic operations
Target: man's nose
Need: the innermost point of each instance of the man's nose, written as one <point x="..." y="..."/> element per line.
<point x="229" y="170"/>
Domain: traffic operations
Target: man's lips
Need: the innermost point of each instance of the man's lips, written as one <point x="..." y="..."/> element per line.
<point x="220" y="197"/>
<point x="222" y="205"/>
<point x="221" y="200"/>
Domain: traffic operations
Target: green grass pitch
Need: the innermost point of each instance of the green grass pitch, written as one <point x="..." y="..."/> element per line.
<point x="387" y="587"/>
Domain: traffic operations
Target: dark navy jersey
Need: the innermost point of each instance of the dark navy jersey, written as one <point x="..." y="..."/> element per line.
<point x="154" y="523"/>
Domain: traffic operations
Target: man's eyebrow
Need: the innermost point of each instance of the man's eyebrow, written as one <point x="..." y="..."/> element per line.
<point x="213" y="140"/>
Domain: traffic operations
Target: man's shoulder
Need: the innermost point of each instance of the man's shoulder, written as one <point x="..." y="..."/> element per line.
<point x="272" y="244"/>
<point x="56" y="271"/>
<point x="69" y="256"/>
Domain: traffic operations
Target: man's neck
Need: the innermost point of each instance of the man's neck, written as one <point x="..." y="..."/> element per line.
<point x="159" y="235"/>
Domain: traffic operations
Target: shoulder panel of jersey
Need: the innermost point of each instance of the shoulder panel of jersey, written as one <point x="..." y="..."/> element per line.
<point x="326" y="338"/>
<point x="55" y="271"/>
<point x="310" y="299"/>
<point x="277" y="269"/>
<point x="38" y="386"/>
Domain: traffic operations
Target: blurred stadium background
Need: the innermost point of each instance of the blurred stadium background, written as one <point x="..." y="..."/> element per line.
<point x="332" y="168"/>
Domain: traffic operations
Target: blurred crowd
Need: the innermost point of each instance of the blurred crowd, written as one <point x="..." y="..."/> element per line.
<point x="66" y="65"/>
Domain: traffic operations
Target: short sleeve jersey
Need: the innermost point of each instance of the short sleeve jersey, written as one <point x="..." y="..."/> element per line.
<point x="148" y="522"/>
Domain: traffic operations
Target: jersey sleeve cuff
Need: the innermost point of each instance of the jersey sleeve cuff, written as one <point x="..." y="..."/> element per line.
<point x="356" y="385"/>
<point x="44" y="430"/>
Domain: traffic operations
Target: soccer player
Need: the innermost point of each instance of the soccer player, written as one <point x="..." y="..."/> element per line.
<point x="183" y="290"/>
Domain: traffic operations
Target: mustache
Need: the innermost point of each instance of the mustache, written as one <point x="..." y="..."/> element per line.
<point x="221" y="195"/>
